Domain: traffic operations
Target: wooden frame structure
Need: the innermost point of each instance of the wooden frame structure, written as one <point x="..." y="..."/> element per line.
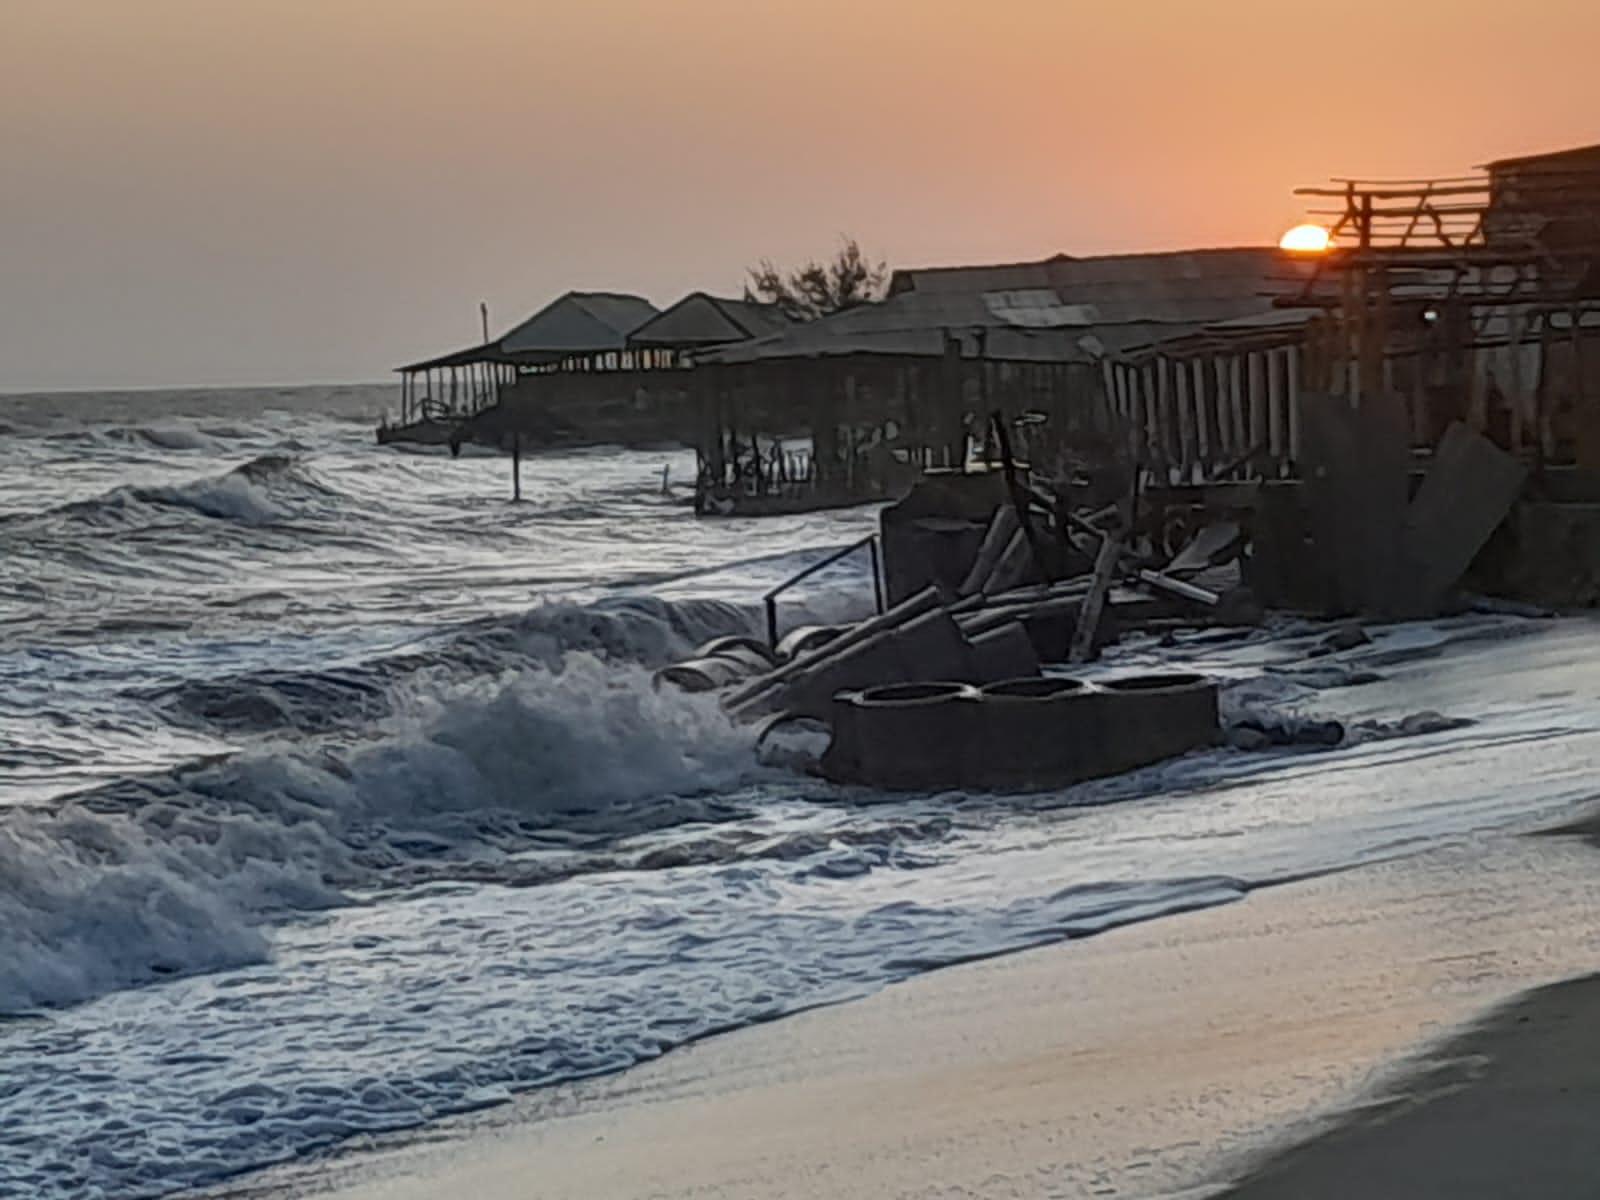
<point x="792" y="434"/>
<point x="1475" y="298"/>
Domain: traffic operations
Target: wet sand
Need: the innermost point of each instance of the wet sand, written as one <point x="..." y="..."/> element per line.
<point x="1506" y="1107"/>
<point x="1164" y="1059"/>
<point x="1509" y="1108"/>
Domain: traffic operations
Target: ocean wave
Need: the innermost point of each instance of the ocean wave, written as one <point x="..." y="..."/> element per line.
<point x="642" y="629"/>
<point x="266" y="490"/>
<point x="166" y="437"/>
<point x="149" y="878"/>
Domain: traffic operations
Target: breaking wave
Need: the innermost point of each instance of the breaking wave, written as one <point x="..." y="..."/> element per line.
<point x="265" y="490"/>
<point x="644" y="630"/>
<point x="156" y="877"/>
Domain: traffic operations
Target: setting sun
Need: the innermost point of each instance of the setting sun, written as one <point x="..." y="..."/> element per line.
<point x="1306" y="239"/>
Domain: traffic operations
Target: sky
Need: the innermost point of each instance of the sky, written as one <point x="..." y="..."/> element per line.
<point x="206" y="192"/>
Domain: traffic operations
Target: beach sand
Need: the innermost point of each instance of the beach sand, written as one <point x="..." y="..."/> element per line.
<point x="1509" y="1108"/>
<point x="1164" y="1059"/>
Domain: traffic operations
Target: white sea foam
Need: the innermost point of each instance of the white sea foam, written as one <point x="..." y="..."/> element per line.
<point x="139" y="883"/>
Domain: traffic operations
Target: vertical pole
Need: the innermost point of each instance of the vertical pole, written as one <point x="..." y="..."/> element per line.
<point x="1241" y="437"/>
<point x="516" y="466"/>
<point x="1187" y="439"/>
<point x="1255" y="372"/>
<point x="1292" y="364"/>
<point x="483" y="313"/>
<point x="1275" y="360"/>
<point x="877" y="574"/>
<point x="772" y="620"/>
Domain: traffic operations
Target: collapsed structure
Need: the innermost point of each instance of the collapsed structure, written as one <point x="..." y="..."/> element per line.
<point x="1367" y="416"/>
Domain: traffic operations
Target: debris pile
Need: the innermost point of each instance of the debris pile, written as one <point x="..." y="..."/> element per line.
<point x="991" y="577"/>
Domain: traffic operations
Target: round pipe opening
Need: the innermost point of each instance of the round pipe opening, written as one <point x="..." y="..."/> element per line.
<point x="902" y="693"/>
<point x="1153" y="683"/>
<point x="1036" y="688"/>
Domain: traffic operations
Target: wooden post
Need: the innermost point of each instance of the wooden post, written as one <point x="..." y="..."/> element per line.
<point x="1165" y="436"/>
<point x="516" y="465"/>
<point x="1257" y="400"/>
<point x="1219" y="373"/>
<point x="1541" y="396"/>
<point x="1515" y="382"/>
<point x="1580" y="401"/>
<point x="1186" y="414"/>
<point x="1275" y="422"/>
<point x="1241" y="438"/>
<point x="1293" y="368"/>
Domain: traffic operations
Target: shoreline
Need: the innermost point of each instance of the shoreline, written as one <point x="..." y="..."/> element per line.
<point x="1161" y="1059"/>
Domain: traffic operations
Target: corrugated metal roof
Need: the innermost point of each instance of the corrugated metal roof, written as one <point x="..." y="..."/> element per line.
<point x="1277" y="326"/>
<point x="988" y="277"/>
<point x="1005" y="343"/>
<point x="1170" y="285"/>
<point x="1038" y="311"/>
<point x="1553" y="156"/>
<point x="1039" y="308"/>
<point x="700" y="319"/>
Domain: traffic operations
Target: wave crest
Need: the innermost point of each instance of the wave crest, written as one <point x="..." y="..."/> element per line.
<point x="151" y="878"/>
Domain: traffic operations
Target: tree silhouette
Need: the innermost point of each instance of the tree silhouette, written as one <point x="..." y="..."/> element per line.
<point x="819" y="288"/>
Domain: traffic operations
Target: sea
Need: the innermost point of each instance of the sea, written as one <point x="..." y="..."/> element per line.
<point x="336" y="797"/>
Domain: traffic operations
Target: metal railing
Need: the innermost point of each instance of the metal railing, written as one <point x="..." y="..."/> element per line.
<point x="771" y="598"/>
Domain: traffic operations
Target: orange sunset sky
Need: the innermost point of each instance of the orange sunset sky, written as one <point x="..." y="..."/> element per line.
<point x="216" y="191"/>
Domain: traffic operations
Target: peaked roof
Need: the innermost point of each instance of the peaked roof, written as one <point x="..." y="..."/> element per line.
<point x="580" y="323"/>
<point x="576" y="323"/>
<point x="701" y="319"/>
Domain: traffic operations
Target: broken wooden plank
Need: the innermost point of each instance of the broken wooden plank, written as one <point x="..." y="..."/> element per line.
<point x="1105" y="566"/>
<point x="1178" y="587"/>
<point x="1001" y="526"/>
<point x="1019" y="495"/>
<point x="1467" y="492"/>
<point x="1011" y="568"/>
<point x="1206" y="546"/>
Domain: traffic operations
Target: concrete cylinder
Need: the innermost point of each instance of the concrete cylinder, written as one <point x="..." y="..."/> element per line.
<point x="806" y="639"/>
<point x="700" y="674"/>
<point x="915" y="736"/>
<point x="841" y="761"/>
<point x="1038" y="733"/>
<point x="1148" y="718"/>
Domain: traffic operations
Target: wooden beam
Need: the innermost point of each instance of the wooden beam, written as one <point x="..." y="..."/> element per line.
<point x="1105" y="566"/>
<point x="1292" y="362"/>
